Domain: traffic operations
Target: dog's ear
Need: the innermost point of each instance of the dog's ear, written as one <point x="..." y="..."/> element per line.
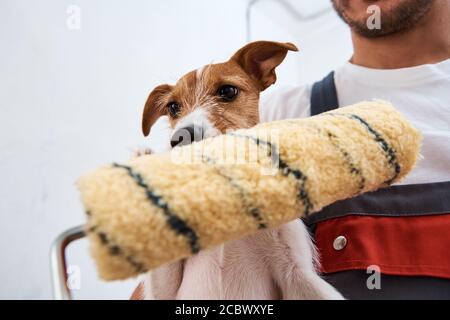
<point x="259" y="60"/>
<point x="154" y="107"/>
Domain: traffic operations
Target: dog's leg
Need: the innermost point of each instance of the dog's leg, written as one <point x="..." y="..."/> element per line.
<point x="294" y="265"/>
<point x="142" y="152"/>
<point x="163" y="283"/>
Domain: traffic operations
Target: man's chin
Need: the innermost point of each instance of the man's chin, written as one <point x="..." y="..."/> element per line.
<point x="394" y="19"/>
<point x="363" y="31"/>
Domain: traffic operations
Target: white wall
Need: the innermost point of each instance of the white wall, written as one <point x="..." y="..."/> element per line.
<point x="72" y="99"/>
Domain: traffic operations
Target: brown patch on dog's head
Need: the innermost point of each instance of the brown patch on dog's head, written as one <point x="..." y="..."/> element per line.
<point x="226" y="94"/>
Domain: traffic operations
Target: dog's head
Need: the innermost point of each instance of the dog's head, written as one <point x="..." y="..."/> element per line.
<point x="217" y="97"/>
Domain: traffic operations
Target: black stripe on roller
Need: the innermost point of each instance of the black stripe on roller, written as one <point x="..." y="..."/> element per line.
<point x="285" y="169"/>
<point x="115" y="250"/>
<point x="348" y="158"/>
<point x="176" y="223"/>
<point x="389" y="152"/>
<point x="253" y="211"/>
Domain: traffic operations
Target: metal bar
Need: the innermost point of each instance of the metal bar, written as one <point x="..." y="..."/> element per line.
<point x="58" y="262"/>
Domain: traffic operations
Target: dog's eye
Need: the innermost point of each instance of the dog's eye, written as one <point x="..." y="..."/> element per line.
<point x="228" y="92"/>
<point x="174" y="109"/>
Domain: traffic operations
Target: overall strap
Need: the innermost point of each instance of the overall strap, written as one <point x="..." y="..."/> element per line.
<point x="324" y="95"/>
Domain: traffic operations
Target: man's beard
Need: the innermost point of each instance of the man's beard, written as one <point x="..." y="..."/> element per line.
<point x="400" y="19"/>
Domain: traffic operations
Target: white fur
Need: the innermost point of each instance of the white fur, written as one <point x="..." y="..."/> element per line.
<point x="199" y="73"/>
<point x="198" y="118"/>
<point x="272" y="264"/>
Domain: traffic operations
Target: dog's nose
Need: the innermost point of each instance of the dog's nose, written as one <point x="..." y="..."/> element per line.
<point x="186" y="135"/>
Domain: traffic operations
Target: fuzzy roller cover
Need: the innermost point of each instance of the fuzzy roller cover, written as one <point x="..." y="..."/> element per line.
<point x="156" y="209"/>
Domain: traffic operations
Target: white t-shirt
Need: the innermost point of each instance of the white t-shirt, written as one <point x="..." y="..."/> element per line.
<point x="421" y="93"/>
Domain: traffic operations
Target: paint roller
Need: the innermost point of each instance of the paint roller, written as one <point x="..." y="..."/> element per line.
<point x="156" y="209"/>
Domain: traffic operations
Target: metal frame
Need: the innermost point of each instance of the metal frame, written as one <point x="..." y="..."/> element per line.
<point x="58" y="261"/>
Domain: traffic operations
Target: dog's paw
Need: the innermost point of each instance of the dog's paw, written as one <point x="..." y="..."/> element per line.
<point x="142" y="152"/>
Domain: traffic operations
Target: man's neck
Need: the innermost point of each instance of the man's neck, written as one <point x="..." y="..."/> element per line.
<point x="427" y="43"/>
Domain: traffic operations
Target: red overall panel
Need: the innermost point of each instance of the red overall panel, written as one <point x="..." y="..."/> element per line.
<point x="414" y="245"/>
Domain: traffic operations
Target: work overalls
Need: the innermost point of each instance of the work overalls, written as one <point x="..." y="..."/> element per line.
<point x="401" y="231"/>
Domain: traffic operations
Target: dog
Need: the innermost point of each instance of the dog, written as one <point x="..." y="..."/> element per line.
<point x="271" y="264"/>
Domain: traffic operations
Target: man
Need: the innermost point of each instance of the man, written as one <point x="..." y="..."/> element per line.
<point x="397" y="239"/>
